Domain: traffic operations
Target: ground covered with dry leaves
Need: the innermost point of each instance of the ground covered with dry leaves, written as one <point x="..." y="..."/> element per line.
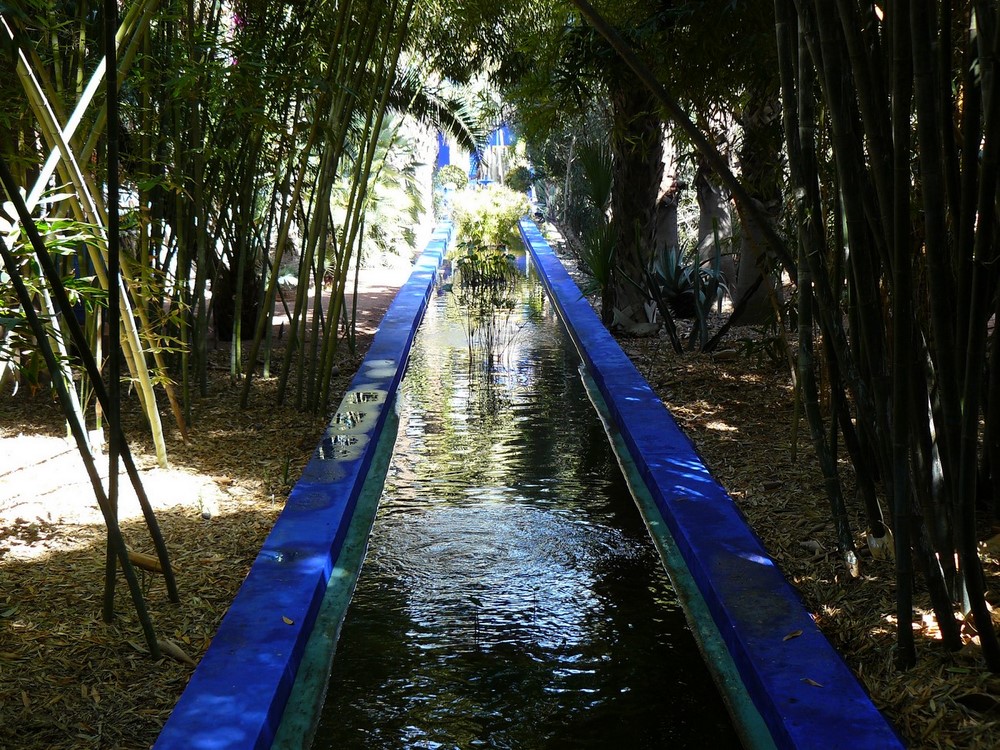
<point x="739" y="413"/>
<point x="69" y="680"/>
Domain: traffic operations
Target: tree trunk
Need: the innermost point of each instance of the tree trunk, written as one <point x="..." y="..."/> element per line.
<point x="761" y="168"/>
<point x="665" y="235"/>
<point x="637" y="150"/>
<point x="714" y="220"/>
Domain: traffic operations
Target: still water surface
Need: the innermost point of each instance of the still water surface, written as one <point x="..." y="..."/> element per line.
<point x="511" y="597"/>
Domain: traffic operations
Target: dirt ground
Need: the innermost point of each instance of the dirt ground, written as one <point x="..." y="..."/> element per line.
<point x="69" y="680"/>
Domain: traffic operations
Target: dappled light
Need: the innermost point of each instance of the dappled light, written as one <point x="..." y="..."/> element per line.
<point x="784" y="501"/>
<point x="58" y="654"/>
<point x="785" y="209"/>
<point x="215" y="505"/>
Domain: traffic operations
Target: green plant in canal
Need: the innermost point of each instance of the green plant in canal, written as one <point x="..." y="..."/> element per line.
<point x="486" y="273"/>
<point x="488" y="287"/>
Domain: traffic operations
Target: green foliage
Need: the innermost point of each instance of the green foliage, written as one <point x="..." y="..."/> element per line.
<point x="462" y="39"/>
<point x="63" y="238"/>
<point x="519" y="179"/>
<point x="598" y="238"/>
<point x="447" y="179"/>
<point x="485" y="216"/>
<point x="393" y="202"/>
<point x="598" y="176"/>
<point x="598" y="256"/>
<point x="453" y="110"/>
<point x="453" y="174"/>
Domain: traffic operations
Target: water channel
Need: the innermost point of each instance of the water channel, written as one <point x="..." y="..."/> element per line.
<point x="511" y="596"/>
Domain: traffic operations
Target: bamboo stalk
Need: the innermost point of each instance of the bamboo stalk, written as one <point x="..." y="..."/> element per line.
<point x="104" y="397"/>
<point x="87" y="209"/>
<point x="902" y="346"/>
<point x="80" y="435"/>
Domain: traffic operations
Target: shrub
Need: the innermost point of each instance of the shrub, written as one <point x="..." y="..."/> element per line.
<point x="486" y="216"/>
<point x="453" y="174"/>
<point x="519" y="179"/>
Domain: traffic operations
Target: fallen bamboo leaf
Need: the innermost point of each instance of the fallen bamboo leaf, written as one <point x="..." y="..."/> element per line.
<point x="808" y="681"/>
<point x="793" y="634"/>
<point x="175" y="652"/>
<point x="144" y="561"/>
<point x="287" y="620"/>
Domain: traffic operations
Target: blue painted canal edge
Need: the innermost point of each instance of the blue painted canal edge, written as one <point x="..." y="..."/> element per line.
<point x="804" y="693"/>
<point x="239" y="691"/>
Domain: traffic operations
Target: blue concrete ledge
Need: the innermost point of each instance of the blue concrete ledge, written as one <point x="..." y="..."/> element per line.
<point x="237" y="694"/>
<point x="803" y="691"/>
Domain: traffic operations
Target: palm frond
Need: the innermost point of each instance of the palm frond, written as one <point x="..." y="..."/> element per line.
<point x="452" y="112"/>
<point x="597" y="173"/>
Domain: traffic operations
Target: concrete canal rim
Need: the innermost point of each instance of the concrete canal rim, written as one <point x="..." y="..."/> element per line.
<point x="267" y="655"/>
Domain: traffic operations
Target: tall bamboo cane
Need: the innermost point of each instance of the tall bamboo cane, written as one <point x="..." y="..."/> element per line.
<point x="115" y="540"/>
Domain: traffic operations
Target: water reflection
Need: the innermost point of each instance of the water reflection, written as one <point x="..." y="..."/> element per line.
<point x="511" y="597"/>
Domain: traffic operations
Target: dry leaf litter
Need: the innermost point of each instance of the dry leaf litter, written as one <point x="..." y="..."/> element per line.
<point x="69" y="680"/>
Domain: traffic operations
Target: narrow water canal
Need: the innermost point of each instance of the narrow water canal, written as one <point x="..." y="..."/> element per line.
<point x="511" y="597"/>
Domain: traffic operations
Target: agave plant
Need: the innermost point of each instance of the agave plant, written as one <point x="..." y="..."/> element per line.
<point x="687" y="290"/>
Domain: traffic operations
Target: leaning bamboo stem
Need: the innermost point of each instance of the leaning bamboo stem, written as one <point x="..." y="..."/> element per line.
<point x="116" y="542"/>
<point x="86" y="208"/>
<point x="90" y="365"/>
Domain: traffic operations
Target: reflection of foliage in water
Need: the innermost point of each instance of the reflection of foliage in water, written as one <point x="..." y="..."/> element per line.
<point x="489" y="287"/>
<point x="487" y="274"/>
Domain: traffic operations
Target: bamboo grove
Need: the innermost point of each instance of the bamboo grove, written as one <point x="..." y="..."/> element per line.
<point x="899" y="253"/>
<point x="890" y="115"/>
<point x="252" y="131"/>
<point x="240" y="130"/>
<point x="244" y="127"/>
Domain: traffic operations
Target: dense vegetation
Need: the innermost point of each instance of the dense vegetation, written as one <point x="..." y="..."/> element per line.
<point x="843" y="158"/>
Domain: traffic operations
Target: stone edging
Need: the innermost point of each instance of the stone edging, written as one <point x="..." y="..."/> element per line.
<point x="238" y="692"/>
<point x="801" y="687"/>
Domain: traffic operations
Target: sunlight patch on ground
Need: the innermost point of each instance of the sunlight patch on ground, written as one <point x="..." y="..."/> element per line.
<point x="46" y="495"/>
<point x="720" y="426"/>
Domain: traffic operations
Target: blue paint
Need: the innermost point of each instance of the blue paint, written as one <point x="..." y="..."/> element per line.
<point x="238" y="692"/>
<point x="237" y="695"/>
<point x="444" y="151"/>
<point x="501" y="136"/>
<point x="752" y="605"/>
